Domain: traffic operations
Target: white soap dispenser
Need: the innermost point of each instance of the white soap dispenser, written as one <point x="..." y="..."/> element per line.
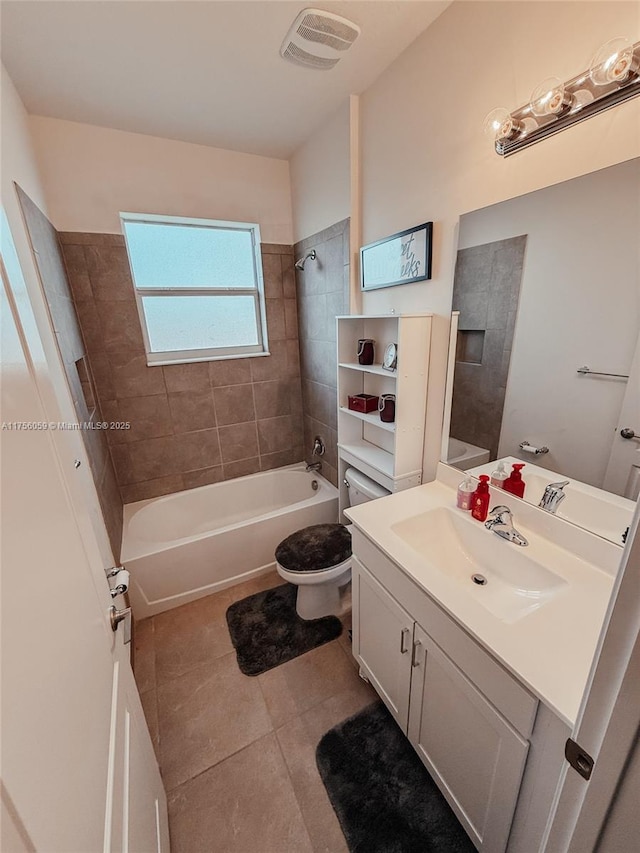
<point x="465" y="493"/>
<point x="499" y="476"/>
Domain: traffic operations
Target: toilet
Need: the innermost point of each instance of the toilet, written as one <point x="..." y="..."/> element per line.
<point x="317" y="559"/>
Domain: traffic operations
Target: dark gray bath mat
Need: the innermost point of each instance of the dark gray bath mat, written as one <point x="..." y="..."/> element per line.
<point x="384" y="798"/>
<point x="266" y="630"/>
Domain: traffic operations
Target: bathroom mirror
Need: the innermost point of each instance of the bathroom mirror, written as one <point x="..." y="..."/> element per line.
<point x="547" y="285"/>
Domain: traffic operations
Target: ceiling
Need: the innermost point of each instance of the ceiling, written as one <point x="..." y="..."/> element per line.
<point x="207" y="72"/>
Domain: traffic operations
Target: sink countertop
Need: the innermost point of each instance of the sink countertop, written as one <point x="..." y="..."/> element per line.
<point x="550" y="650"/>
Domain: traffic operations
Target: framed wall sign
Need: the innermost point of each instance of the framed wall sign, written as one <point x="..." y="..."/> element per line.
<point x="400" y="259"/>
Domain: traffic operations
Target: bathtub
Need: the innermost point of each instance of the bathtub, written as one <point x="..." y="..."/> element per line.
<point x="183" y="546"/>
<point x="463" y="455"/>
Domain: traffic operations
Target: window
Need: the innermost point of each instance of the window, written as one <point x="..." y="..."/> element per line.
<point x="198" y="286"/>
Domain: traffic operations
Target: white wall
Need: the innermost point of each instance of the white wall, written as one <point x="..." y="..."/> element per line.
<point x="90" y="173"/>
<point x="579" y="304"/>
<point x="320" y="177"/>
<point x="424" y="154"/>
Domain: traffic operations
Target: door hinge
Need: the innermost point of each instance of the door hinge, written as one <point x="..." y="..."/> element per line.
<point x="578" y="758"/>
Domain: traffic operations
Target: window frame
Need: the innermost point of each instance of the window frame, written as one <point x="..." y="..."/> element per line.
<point x="257" y="292"/>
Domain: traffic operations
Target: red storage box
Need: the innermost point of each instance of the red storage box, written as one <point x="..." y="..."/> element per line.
<point x="363" y="403"/>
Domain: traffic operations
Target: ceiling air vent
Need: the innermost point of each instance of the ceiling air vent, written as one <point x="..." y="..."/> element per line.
<point x="318" y="39"/>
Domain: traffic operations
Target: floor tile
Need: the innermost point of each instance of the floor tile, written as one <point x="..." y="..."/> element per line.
<point x="206" y="715"/>
<point x="306" y="681"/>
<point x="149" y="701"/>
<point x="246" y="804"/>
<point x="191" y="635"/>
<point x="258" y="584"/>
<point x="144" y="656"/>
<point x="298" y="740"/>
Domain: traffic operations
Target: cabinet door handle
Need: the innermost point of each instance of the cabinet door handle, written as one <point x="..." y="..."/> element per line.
<point x="414" y="656"/>
<point x="403" y="635"/>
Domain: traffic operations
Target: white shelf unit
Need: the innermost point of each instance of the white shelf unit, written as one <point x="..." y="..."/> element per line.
<point x="391" y="454"/>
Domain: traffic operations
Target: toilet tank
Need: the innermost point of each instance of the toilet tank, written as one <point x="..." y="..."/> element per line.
<point x="362" y="488"/>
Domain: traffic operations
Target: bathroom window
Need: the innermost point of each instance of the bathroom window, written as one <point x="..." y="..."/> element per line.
<point x="198" y="286"/>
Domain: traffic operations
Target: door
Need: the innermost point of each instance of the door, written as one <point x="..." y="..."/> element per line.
<point x="474" y="755"/>
<point x="74" y="778"/>
<point x="383" y="640"/>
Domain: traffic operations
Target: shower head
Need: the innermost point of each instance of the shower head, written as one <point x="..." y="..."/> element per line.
<point x="302" y="261"/>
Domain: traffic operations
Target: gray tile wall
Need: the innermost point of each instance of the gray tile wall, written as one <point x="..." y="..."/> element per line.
<point x="47" y="253"/>
<point x="323" y="294"/>
<point x="191" y="424"/>
<point x="486" y="292"/>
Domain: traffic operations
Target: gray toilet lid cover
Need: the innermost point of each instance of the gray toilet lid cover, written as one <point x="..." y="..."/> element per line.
<point x="319" y="546"/>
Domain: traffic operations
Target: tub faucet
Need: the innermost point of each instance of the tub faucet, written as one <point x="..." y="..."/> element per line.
<point x="314" y="466"/>
<point x="501" y="523"/>
<point x="553" y="496"/>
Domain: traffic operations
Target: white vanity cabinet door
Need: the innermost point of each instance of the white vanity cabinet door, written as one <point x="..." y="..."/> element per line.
<point x="383" y="642"/>
<point x="476" y="757"/>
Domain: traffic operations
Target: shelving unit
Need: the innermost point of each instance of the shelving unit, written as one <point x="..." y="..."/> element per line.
<point x="389" y="453"/>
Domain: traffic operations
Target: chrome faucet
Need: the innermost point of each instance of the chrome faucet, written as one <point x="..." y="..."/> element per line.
<point x="314" y="466"/>
<point x="502" y="525"/>
<point x="553" y="496"/>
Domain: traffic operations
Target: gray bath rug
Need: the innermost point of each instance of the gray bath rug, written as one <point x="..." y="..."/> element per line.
<point x="384" y="798"/>
<point x="266" y="630"/>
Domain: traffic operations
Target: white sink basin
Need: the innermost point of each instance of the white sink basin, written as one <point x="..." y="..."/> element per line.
<point x="462" y="548"/>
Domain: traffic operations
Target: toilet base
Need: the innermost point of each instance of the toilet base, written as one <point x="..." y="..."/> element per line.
<point x="314" y="602"/>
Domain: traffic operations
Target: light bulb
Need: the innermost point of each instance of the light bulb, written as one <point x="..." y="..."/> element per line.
<point x="500" y="124"/>
<point x="613" y="62"/>
<point x="549" y="98"/>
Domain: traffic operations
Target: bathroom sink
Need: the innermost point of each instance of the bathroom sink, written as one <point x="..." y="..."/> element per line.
<point x="501" y="576"/>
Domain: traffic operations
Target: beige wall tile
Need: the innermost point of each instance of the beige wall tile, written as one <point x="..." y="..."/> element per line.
<point x="196" y="450"/>
<point x="120" y="325"/>
<point x="291" y="318"/>
<point x="234" y="404"/>
<point x="239" y="441"/>
<point x="204" y="477"/>
<point x="153" y="458"/>
<point x="109" y="273"/>
<point x="152" y="488"/>
<point x="230" y="371"/>
<point x="144" y="655"/>
<point x="192" y="410"/>
<point x="275" y="319"/>
<point x="288" y="278"/>
<point x="279" y="433"/>
<point x="187" y="377"/>
<point x="274" y="398"/>
<point x="242" y="468"/>
<point x="272" y="273"/>
<point x="132" y="377"/>
<point x="149" y="417"/>
<point x="268" y="461"/>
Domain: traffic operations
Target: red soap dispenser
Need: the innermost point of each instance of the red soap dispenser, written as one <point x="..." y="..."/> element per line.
<point x="514" y="482"/>
<point x="480" y="499"/>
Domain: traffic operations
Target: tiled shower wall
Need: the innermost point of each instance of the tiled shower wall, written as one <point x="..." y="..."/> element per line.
<point x="48" y="257"/>
<point x="486" y="291"/>
<point x="323" y="294"/>
<point x="191" y="424"/>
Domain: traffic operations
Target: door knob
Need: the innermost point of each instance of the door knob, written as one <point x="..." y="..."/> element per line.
<point x="629" y="433"/>
<point x="117" y="616"/>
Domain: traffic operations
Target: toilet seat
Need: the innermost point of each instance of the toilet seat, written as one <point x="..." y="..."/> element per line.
<point x="314" y="549"/>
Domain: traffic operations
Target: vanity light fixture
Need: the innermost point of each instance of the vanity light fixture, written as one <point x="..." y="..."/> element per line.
<point x="612" y="78"/>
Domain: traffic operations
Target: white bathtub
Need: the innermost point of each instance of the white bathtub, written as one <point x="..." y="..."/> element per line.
<point x="463" y="455"/>
<point x="183" y="546"/>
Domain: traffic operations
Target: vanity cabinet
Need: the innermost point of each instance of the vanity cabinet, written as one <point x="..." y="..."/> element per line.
<point x="389" y="453"/>
<point x="467" y="718"/>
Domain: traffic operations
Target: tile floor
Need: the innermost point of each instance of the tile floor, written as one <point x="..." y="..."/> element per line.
<point x="237" y="753"/>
